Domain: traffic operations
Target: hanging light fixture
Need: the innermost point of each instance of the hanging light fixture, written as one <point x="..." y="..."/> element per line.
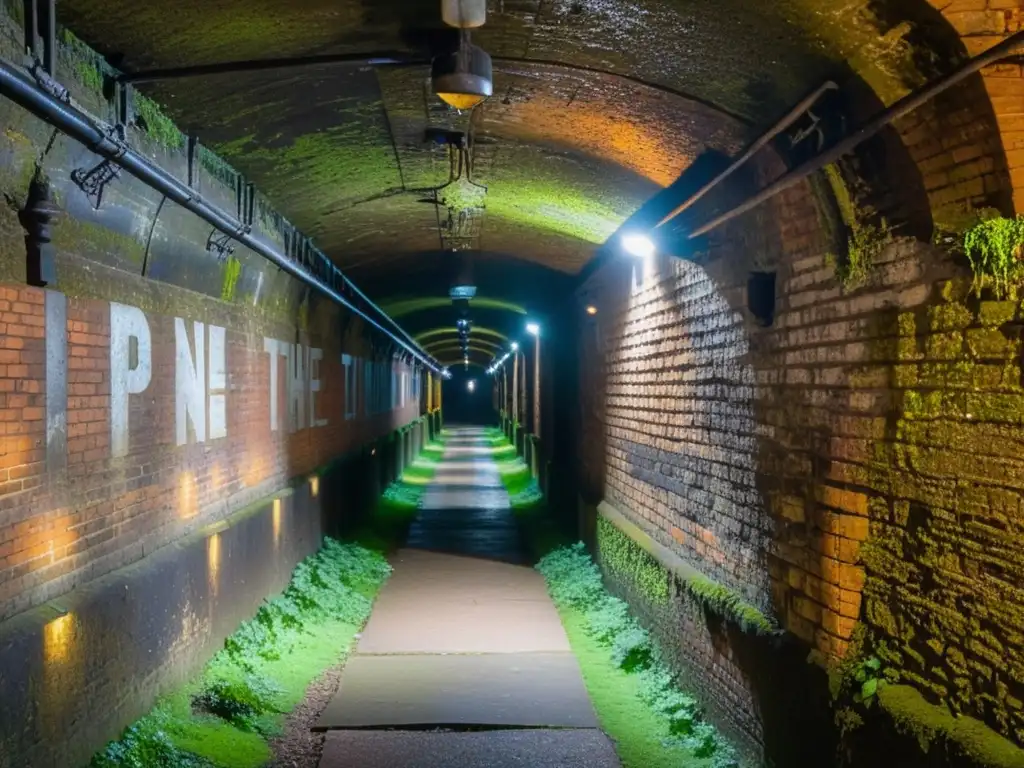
<point x="464" y="78"/>
<point x="464" y="14"/>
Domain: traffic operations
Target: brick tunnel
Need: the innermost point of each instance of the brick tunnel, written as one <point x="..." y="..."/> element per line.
<point x="428" y="383"/>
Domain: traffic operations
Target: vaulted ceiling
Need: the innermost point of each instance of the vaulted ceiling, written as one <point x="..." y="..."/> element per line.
<point x="598" y="105"/>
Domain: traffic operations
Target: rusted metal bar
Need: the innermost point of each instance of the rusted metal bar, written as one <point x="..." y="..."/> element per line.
<point x="902" y="107"/>
<point x="791" y="117"/>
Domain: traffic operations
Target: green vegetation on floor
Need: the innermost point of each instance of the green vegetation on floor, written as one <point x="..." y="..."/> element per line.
<point x="638" y="700"/>
<point x="539" y="530"/>
<point x="397" y="507"/>
<point x="225" y="717"/>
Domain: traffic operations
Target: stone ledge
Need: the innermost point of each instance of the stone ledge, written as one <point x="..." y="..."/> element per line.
<point x="701" y="588"/>
<point x="944" y="737"/>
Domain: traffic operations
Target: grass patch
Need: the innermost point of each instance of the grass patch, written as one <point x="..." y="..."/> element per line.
<point x="225" y="717"/>
<point x="540" y="533"/>
<point x="396" y="509"/>
<point x="638" y="700"/>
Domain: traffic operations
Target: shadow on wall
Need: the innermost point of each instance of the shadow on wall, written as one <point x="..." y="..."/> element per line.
<point x="670" y="435"/>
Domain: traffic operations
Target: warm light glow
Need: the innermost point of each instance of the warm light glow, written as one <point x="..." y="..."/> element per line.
<point x="591" y="310"/>
<point x="638" y="245"/>
<point x="533" y="329"/>
<point x="213" y="562"/>
<point x="275" y="517"/>
<point x="57" y="637"/>
<point x="462" y="101"/>
<point x="314" y="486"/>
<point x="187" y="495"/>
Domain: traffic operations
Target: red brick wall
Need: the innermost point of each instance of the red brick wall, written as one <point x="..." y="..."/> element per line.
<point x="89" y="511"/>
<point x="856" y="463"/>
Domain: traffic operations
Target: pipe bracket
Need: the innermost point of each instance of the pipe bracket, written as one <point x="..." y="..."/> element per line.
<point x="93" y="182"/>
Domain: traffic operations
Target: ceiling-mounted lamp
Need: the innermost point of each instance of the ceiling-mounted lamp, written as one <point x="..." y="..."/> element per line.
<point x="464" y="14"/>
<point x="464" y="78"/>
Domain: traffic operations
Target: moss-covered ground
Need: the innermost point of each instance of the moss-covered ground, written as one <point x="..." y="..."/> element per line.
<point x="226" y="716"/>
<point x="639" y="703"/>
<point x="541" y="534"/>
<point x="397" y="507"/>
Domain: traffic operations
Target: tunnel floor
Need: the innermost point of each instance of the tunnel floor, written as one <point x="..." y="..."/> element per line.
<point x="464" y="661"/>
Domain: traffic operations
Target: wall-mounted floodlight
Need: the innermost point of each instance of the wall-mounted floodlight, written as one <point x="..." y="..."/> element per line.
<point x="638" y="245"/>
<point x="515" y="346"/>
<point x="533" y="329"/>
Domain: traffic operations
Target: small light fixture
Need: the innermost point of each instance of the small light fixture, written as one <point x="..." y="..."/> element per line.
<point x="471" y="385"/>
<point x="591" y="310"/>
<point x="463" y="79"/>
<point x="533" y="329"/>
<point x="464" y="14"/>
<point x="638" y="245"/>
<point x="515" y="346"/>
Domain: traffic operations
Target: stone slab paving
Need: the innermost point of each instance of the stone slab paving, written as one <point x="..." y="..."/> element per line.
<point x="463" y="635"/>
<point x="435" y="603"/>
<point x="495" y="749"/>
<point x="538" y="690"/>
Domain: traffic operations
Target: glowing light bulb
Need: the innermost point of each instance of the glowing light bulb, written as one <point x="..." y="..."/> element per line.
<point x="638" y="245"/>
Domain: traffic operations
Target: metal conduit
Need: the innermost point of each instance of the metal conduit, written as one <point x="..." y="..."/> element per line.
<point x="791" y="117"/>
<point x="905" y="105"/>
<point x="91" y="133"/>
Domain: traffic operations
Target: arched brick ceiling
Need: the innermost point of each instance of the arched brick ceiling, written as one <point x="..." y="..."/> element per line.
<point x="567" y="152"/>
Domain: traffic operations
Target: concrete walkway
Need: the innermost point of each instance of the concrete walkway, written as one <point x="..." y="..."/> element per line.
<point x="464" y="661"/>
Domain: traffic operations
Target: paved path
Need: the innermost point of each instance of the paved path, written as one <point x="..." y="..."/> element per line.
<point x="464" y="661"/>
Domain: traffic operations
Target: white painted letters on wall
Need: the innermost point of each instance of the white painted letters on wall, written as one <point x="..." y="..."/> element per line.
<point x="296" y="387"/>
<point x="189" y="382"/>
<point x="315" y="356"/>
<point x="270" y="346"/>
<point x="130" y="373"/>
<point x="218" y="384"/>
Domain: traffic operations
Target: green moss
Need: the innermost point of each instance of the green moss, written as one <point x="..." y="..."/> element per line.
<point x="864" y="241"/>
<point x="540" y="202"/>
<point x="949" y="317"/>
<point x="626" y="560"/>
<point x="729" y="604"/>
<point x="232" y="271"/>
<point x="952" y="221"/>
<point x="640" y="735"/>
<point x="995" y="250"/>
<point x="225" y="717"/>
<point x="637" y="699"/>
<point x="90" y="76"/>
<point x="158" y="126"/>
<point x="939" y="732"/>
<point x="74" y="235"/>
<point x="996" y="313"/>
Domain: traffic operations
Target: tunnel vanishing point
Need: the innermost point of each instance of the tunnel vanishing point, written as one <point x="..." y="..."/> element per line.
<point x="741" y="282"/>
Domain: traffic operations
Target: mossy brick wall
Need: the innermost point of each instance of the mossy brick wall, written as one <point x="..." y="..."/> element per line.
<point x="75" y="673"/>
<point x="61" y="527"/>
<point x="855" y="463"/>
<point x="96" y="512"/>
